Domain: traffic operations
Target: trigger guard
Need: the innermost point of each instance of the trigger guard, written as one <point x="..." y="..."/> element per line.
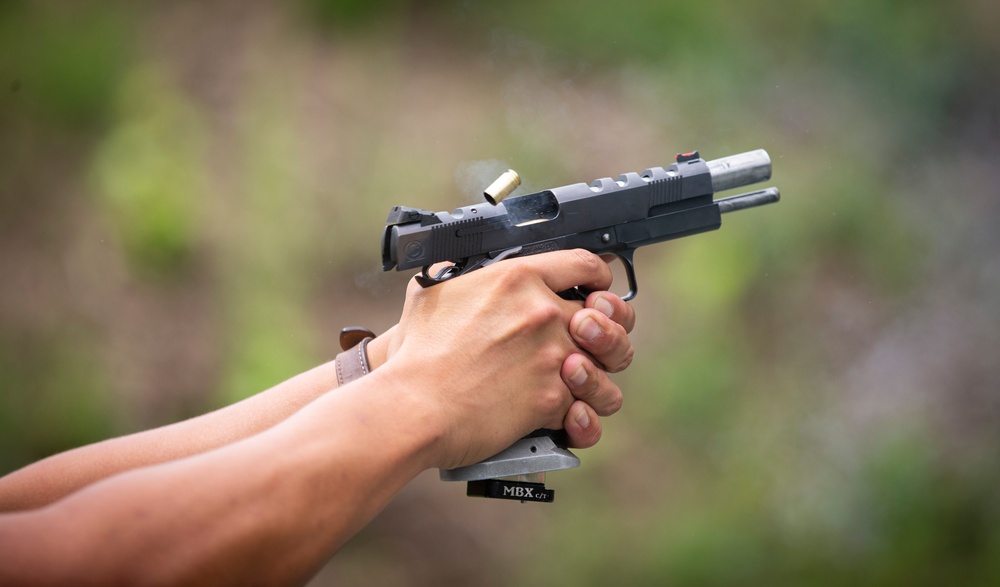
<point x="633" y="287"/>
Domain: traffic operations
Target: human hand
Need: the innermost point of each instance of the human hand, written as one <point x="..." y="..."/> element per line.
<point x="496" y="349"/>
<point x="601" y="329"/>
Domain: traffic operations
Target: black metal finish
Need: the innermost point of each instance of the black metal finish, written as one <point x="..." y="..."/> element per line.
<point x="606" y="217"/>
<point x="515" y="490"/>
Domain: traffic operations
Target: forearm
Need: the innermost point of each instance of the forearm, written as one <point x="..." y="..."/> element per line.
<point x="268" y="509"/>
<point x="48" y="480"/>
<point x="476" y="364"/>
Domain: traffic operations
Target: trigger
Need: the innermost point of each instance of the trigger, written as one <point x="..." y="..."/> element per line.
<point x="424" y="278"/>
<point x="511" y="252"/>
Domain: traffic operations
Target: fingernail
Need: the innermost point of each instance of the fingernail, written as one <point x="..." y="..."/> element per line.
<point x="588" y="329"/>
<point x="579" y="377"/>
<point x="604" y="306"/>
<point x="582" y="418"/>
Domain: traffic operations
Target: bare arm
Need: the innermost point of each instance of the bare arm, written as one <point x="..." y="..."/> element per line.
<point x="50" y="479"/>
<point x="474" y="365"/>
<point x="268" y="509"/>
<point x="55" y="477"/>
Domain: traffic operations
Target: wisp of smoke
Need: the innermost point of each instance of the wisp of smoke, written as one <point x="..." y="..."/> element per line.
<point x="472" y="177"/>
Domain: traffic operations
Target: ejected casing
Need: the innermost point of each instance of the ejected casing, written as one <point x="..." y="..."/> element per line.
<point x="502" y="187"/>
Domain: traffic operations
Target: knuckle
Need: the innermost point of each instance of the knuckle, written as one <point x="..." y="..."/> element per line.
<point x="627" y="314"/>
<point x="630" y="312"/>
<point x="612" y="348"/>
<point x="506" y="276"/>
<point x="625" y="361"/>
<point x="629" y="355"/>
<point x="538" y="316"/>
<point x="551" y="401"/>
<point x="588" y="260"/>
<point x="550" y="356"/>
<point x="548" y="312"/>
<point x="607" y="397"/>
<point x="617" y="399"/>
<point x="593" y="265"/>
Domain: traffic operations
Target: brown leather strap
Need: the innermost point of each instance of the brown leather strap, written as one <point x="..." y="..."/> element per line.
<point x="353" y="362"/>
<point x="352" y="335"/>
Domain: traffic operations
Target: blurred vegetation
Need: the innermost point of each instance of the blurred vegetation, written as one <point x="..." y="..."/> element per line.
<point x="191" y="198"/>
<point x="146" y="171"/>
<point x="54" y="396"/>
<point x="67" y="60"/>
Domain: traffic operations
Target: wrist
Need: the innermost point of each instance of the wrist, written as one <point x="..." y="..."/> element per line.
<point x="378" y="349"/>
<point x="401" y="401"/>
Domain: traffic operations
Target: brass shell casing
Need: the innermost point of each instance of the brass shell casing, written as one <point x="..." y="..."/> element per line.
<point x="502" y="187"/>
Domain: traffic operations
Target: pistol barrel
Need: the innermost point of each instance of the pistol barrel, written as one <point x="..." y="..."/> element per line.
<point x="740" y="170"/>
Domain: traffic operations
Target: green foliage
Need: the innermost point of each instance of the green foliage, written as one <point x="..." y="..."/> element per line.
<point x="690" y="393"/>
<point x="844" y="214"/>
<point x="749" y="465"/>
<point x="612" y="33"/>
<point x="919" y="510"/>
<point x="353" y="14"/>
<point x="61" y="63"/>
<point x="53" y="396"/>
<point x="269" y="341"/>
<point x="905" y="56"/>
<point x="148" y="174"/>
<point x="270" y="249"/>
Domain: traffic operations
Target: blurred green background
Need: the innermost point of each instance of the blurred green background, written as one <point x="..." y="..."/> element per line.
<point x="192" y="193"/>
